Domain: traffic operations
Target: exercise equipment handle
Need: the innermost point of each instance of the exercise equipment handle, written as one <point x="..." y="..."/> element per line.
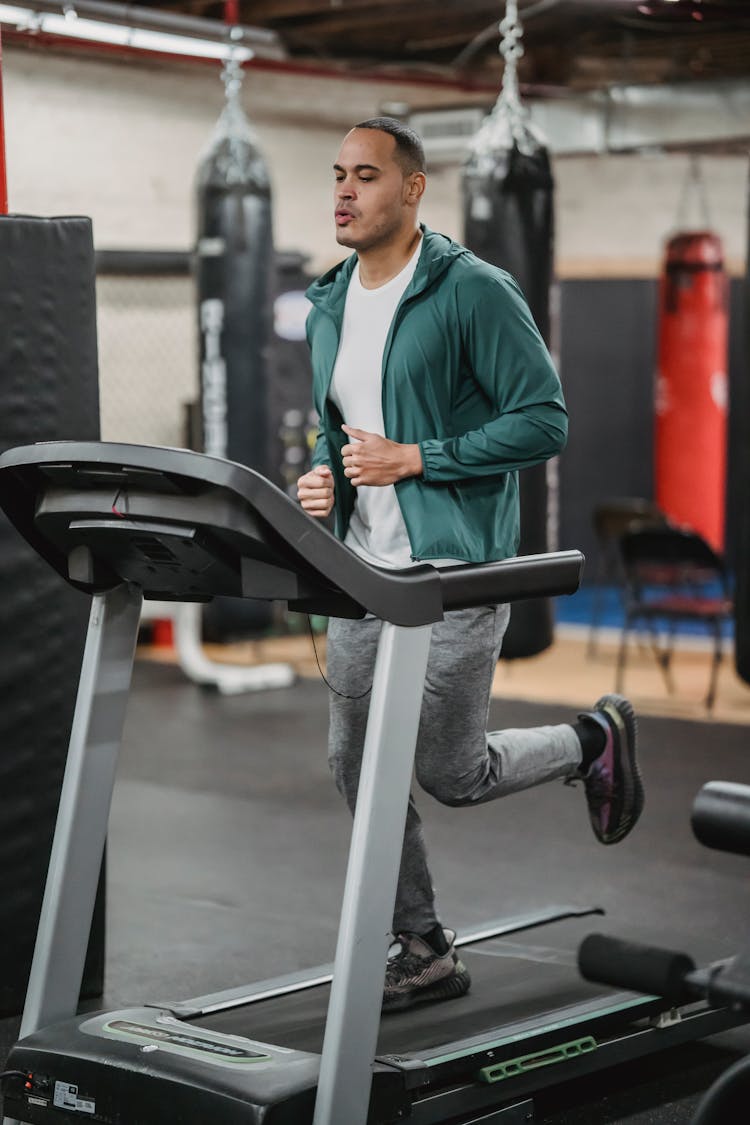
<point x="528" y="576"/>
<point x="721" y="817"/>
<point x="640" y="968"/>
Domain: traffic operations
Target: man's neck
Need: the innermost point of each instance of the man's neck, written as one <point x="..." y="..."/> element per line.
<point x="381" y="264"/>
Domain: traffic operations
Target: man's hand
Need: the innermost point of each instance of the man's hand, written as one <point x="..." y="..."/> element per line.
<point x="375" y="460"/>
<point x="315" y="491"/>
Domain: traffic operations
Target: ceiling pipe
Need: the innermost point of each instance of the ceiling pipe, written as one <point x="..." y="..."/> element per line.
<point x="274" y="61"/>
<point x="263" y="43"/>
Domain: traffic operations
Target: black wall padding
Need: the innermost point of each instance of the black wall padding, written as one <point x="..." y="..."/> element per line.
<point x="607" y="359"/>
<point x="739" y="469"/>
<point x="607" y="364"/>
<point x="508" y="221"/>
<point x="48" y="390"/>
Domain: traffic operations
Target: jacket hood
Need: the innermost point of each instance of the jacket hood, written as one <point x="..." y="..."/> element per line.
<point x="436" y="255"/>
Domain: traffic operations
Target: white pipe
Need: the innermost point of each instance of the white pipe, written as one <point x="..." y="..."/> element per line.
<point x="229" y="679"/>
<point x="130" y="26"/>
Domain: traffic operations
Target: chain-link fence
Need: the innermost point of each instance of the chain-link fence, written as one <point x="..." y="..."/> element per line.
<point x="148" y="366"/>
<point x="149" y="375"/>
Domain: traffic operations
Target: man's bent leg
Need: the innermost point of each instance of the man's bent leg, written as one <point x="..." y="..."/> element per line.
<point x="458" y="762"/>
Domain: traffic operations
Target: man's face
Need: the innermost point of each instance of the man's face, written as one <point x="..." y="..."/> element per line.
<point x="371" y="193"/>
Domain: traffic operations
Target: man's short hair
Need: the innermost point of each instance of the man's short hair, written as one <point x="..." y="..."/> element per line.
<point x="409" y="151"/>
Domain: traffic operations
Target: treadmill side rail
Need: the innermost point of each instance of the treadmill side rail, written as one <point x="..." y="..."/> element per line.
<point x="255" y="992"/>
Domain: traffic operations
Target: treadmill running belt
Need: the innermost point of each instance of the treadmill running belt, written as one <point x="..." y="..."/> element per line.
<point x="511" y="982"/>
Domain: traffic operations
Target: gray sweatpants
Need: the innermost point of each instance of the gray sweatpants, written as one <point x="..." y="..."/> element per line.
<point x="457" y="761"/>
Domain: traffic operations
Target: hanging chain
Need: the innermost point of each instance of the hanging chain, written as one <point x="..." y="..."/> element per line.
<point x="232" y="75"/>
<point x="511" y="48"/>
<point x="508" y="119"/>
<point x="233" y="125"/>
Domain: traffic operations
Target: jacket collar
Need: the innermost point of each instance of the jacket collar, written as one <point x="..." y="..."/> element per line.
<point x="328" y="293"/>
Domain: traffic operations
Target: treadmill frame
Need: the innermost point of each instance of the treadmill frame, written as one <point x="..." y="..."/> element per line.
<point x="374" y="858"/>
<point x="359" y="970"/>
<point x="350" y="1041"/>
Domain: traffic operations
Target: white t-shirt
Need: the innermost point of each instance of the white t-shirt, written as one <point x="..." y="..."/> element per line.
<point x="376" y="530"/>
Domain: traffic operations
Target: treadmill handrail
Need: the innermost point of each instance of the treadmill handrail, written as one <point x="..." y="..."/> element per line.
<point x="410" y="596"/>
<point x="524" y="576"/>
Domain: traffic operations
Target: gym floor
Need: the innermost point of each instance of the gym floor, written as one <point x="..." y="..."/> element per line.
<point x="228" y="844"/>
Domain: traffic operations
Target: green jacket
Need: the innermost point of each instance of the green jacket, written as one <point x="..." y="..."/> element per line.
<point x="467" y="376"/>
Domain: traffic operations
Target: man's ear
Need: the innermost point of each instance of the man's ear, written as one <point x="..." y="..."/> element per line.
<point x="415" y="185"/>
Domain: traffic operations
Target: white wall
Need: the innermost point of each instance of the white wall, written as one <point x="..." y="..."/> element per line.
<point x="121" y="142"/>
<point x="615" y="212"/>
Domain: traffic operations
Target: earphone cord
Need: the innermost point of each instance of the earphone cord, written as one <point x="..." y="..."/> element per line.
<point x="335" y="691"/>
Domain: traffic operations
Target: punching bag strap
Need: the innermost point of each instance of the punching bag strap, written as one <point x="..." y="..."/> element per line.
<point x="693" y="190"/>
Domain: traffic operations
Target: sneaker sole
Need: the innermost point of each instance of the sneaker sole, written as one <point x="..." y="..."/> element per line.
<point x="450" y="988"/>
<point x="632" y="780"/>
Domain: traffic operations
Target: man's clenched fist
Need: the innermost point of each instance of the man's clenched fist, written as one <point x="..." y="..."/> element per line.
<point x="376" y="460"/>
<point x="315" y="491"/>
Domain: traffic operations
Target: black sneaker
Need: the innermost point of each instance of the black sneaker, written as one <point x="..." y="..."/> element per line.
<point x="418" y="975"/>
<point x="614" y="789"/>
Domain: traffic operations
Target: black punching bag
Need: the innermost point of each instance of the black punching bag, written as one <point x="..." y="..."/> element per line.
<point x="234" y="274"/>
<point x="740" y="455"/>
<point x="508" y="221"/>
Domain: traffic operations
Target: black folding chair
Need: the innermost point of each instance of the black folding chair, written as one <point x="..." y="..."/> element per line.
<point x="673" y="575"/>
<point x="611" y="519"/>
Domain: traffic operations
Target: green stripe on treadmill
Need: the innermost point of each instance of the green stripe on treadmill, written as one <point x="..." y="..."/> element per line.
<point x="560" y="1025"/>
<point x="561" y="1052"/>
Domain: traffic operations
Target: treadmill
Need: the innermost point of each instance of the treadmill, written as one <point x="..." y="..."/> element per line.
<point x="126" y="522"/>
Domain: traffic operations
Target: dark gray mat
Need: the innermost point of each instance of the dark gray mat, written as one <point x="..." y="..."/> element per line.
<point x="228" y="845"/>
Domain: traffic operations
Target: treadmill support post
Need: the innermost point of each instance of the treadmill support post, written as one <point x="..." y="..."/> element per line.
<point x="83" y="812"/>
<point x="351" y="1033"/>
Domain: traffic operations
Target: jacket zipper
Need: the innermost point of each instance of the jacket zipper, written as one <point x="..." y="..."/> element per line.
<point x="397" y="318"/>
<point x="326" y="418"/>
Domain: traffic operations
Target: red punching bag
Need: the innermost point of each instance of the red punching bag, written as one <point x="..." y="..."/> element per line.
<point x="691" y="388"/>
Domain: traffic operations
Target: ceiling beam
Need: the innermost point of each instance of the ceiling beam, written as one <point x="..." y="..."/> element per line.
<point x="363" y="11"/>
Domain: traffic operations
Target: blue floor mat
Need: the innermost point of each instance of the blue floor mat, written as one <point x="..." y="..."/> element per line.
<point x="605" y="603"/>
